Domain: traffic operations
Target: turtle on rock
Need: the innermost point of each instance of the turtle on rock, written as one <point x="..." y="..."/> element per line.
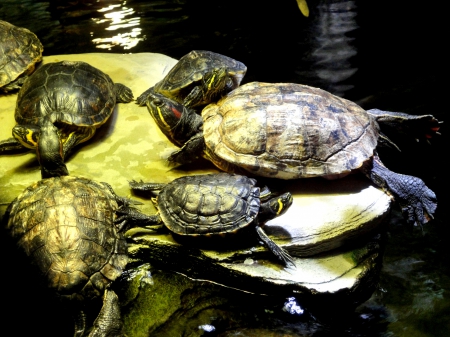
<point x="70" y="230"/>
<point x="214" y="205"/>
<point x="291" y="131"/>
<point x="199" y="78"/>
<point x="60" y="106"/>
<point x="20" y="51"/>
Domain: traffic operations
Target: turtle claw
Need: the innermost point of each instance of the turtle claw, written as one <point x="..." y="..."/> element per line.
<point x="419" y="208"/>
<point x="123" y="93"/>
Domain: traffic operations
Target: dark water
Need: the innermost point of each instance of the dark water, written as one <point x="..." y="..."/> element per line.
<point x="383" y="54"/>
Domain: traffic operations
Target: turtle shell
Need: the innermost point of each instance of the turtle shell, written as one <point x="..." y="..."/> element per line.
<point x="66" y="227"/>
<point x="209" y="204"/>
<point x="20" y="50"/>
<point x="190" y="70"/>
<point x="68" y="92"/>
<point x="288" y="131"/>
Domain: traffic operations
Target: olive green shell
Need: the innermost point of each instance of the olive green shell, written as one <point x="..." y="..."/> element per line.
<point x="190" y="70"/>
<point x="66" y="227"/>
<point x="209" y="204"/>
<point x="73" y="93"/>
<point x="287" y="131"/>
<point x="20" y="50"/>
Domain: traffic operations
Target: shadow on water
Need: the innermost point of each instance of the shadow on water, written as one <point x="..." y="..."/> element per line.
<point x="377" y="53"/>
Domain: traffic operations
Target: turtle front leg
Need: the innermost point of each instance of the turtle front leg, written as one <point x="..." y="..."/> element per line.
<point x="108" y="321"/>
<point x="417" y="201"/>
<point x="142" y="99"/>
<point x="279" y="252"/>
<point x="191" y="151"/>
<point x="131" y="217"/>
<point x="123" y="93"/>
<point x="76" y="137"/>
<point x="11" y="144"/>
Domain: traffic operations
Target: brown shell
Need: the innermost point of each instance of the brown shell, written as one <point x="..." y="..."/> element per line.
<point x="288" y="131"/>
<point x="66" y="227"/>
<point x="20" y="50"/>
<point x="68" y="92"/>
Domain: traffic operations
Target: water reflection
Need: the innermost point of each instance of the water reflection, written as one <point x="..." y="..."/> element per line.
<point x="332" y="47"/>
<point x="122" y="18"/>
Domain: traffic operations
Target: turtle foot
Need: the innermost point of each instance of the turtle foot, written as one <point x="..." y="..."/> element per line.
<point x="419" y="205"/>
<point x="123" y="93"/>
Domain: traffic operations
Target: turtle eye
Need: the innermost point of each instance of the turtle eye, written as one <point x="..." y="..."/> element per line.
<point x="157" y="101"/>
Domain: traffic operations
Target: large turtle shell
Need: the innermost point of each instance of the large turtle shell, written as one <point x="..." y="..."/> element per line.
<point x="66" y="227"/>
<point x="190" y="70"/>
<point x="68" y="92"/>
<point x="20" y="50"/>
<point x="209" y="204"/>
<point x="288" y="131"/>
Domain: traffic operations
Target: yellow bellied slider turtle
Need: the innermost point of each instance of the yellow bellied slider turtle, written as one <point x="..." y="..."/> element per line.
<point x="216" y="204"/>
<point x="290" y="131"/>
<point x="20" y="50"/>
<point x="198" y="78"/>
<point x="69" y="229"/>
<point x="59" y="106"/>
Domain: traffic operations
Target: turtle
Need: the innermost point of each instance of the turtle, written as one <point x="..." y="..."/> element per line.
<point x="292" y="131"/>
<point x="215" y="204"/>
<point x="59" y="106"/>
<point x="20" y="51"/>
<point x="69" y="228"/>
<point x="198" y="78"/>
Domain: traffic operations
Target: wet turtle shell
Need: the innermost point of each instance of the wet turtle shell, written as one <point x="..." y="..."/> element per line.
<point x="288" y="131"/>
<point x="199" y="78"/>
<point x="291" y="131"/>
<point x="59" y="106"/>
<point x="66" y="226"/>
<point x="217" y="204"/>
<point x="20" y="50"/>
<point x="209" y="204"/>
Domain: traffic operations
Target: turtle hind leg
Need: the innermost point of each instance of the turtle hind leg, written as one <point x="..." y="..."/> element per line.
<point x="421" y="127"/>
<point x="123" y="93"/>
<point x="279" y="252"/>
<point x="417" y="201"/>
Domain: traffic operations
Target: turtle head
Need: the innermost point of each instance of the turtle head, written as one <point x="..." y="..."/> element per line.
<point x="176" y="121"/>
<point x="215" y="84"/>
<point x="49" y="149"/>
<point x="27" y="135"/>
<point x="275" y="206"/>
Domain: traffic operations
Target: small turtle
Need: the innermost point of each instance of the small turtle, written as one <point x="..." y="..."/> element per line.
<point x="20" y="50"/>
<point x="59" y="106"/>
<point x="199" y="77"/>
<point x="216" y="204"/>
<point x="69" y="229"/>
<point x="290" y="131"/>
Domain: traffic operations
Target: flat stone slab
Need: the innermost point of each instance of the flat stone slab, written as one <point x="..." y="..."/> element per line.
<point x="325" y="215"/>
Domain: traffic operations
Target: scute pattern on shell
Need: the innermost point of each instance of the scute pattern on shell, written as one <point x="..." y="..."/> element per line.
<point x="20" y="50"/>
<point x="261" y="127"/>
<point x="66" y="226"/>
<point x="209" y="204"/>
<point x="69" y="92"/>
